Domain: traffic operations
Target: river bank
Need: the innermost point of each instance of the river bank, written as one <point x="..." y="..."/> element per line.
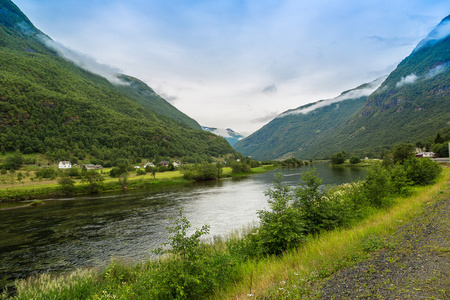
<point x="290" y="275"/>
<point x="13" y="195"/>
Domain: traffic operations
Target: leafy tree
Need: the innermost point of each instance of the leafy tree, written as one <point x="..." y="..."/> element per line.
<point x="438" y="139"/>
<point x="355" y="160"/>
<point x="376" y="186"/>
<point x="281" y="227"/>
<point x="337" y="158"/>
<point x="67" y="185"/>
<point x="315" y="209"/>
<point x="422" y="171"/>
<point x="93" y="180"/>
<point x="402" y="152"/>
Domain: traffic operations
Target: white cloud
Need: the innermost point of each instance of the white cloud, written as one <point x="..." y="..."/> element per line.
<point x="437" y="70"/>
<point x="410" y="79"/>
<point x="352" y="94"/>
<point x="85" y="62"/>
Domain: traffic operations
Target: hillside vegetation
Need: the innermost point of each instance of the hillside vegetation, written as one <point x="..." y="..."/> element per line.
<point x="411" y="105"/>
<point x="50" y="105"/>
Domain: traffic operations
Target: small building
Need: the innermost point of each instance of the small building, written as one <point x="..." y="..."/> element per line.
<point x="65" y="164"/>
<point x="137" y="167"/>
<point x="164" y="163"/>
<point x="92" y="167"/>
<point x="149" y="164"/>
<point x="426" y="154"/>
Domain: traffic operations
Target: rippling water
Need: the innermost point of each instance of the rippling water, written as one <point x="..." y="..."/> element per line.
<point x="87" y="231"/>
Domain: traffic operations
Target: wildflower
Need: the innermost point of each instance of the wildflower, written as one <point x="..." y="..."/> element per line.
<point x="249" y="295"/>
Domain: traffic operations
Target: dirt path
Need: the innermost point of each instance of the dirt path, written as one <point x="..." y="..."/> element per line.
<point x="416" y="265"/>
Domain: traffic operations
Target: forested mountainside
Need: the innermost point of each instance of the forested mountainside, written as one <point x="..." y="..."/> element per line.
<point x="298" y="130"/>
<point x="50" y="105"/>
<point x="411" y="105"/>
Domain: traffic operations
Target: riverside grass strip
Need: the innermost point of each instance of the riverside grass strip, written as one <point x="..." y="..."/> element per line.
<point x="295" y="273"/>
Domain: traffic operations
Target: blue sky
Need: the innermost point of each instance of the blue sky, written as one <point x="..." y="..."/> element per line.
<point x="237" y="63"/>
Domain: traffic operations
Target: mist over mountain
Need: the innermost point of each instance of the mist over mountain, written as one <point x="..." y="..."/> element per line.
<point x="410" y="105"/>
<point x="59" y="102"/>
<point x="229" y="134"/>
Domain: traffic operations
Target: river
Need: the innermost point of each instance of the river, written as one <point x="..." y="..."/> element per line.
<point x="64" y="234"/>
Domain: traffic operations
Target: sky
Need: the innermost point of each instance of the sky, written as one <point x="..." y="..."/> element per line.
<point x="240" y="63"/>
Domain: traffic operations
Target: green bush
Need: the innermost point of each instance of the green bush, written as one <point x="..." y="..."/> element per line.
<point x="202" y="172"/>
<point x="422" y="171"/>
<point x="355" y="160"/>
<point x="281" y="227"/>
<point x="46" y="173"/>
<point x="240" y="167"/>
<point x="337" y="158"/>
<point x="376" y="186"/>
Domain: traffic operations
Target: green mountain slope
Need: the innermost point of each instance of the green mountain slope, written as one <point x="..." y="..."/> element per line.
<point x="411" y="105"/>
<point x="50" y="105"/>
<point x="296" y="132"/>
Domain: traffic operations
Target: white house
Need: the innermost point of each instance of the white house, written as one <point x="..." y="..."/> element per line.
<point x="65" y="165"/>
<point x="149" y="164"/>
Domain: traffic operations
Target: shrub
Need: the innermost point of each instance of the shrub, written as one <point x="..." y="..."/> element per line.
<point x="376" y="186"/>
<point x="281" y="227"/>
<point x="337" y="158"/>
<point x="46" y="173"/>
<point x="67" y="185"/>
<point x="240" y="167"/>
<point x="317" y="211"/>
<point x="402" y="152"/>
<point x="355" y="160"/>
<point x="422" y="171"/>
<point x="202" y="172"/>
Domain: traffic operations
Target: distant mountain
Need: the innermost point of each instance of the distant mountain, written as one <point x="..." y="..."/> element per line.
<point x="411" y="105"/>
<point x="56" y="101"/>
<point x="296" y="131"/>
<point x="230" y="135"/>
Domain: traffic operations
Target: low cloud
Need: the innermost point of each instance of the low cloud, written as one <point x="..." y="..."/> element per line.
<point x="169" y="98"/>
<point x="83" y="61"/>
<point x="270" y="89"/>
<point x="352" y="94"/>
<point x="410" y="79"/>
<point x="437" y="70"/>
<point x="439" y="33"/>
<point x="268" y="117"/>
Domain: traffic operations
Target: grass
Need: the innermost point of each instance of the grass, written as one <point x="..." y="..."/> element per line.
<point x="298" y="269"/>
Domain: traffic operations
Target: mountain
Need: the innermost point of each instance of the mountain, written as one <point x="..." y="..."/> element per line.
<point x="229" y="134"/>
<point x="55" y="101"/>
<point x="411" y="105"/>
<point x="297" y="130"/>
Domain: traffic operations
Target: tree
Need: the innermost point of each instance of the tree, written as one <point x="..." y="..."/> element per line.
<point x="355" y="160"/>
<point x="94" y="181"/>
<point x="67" y="185"/>
<point x="337" y="158"/>
<point x="281" y="228"/>
<point x="402" y="152"/>
<point x="438" y="139"/>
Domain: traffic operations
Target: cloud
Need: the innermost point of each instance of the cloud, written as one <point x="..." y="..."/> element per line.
<point x="169" y="98"/>
<point x="359" y="92"/>
<point x="268" y="117"/>
<point x="270" y="89"/>
<point x="437" y="70"/>
<point x="410" y="79"/>
<point x="439" y="33"/>
<point x="83" y="61"/>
